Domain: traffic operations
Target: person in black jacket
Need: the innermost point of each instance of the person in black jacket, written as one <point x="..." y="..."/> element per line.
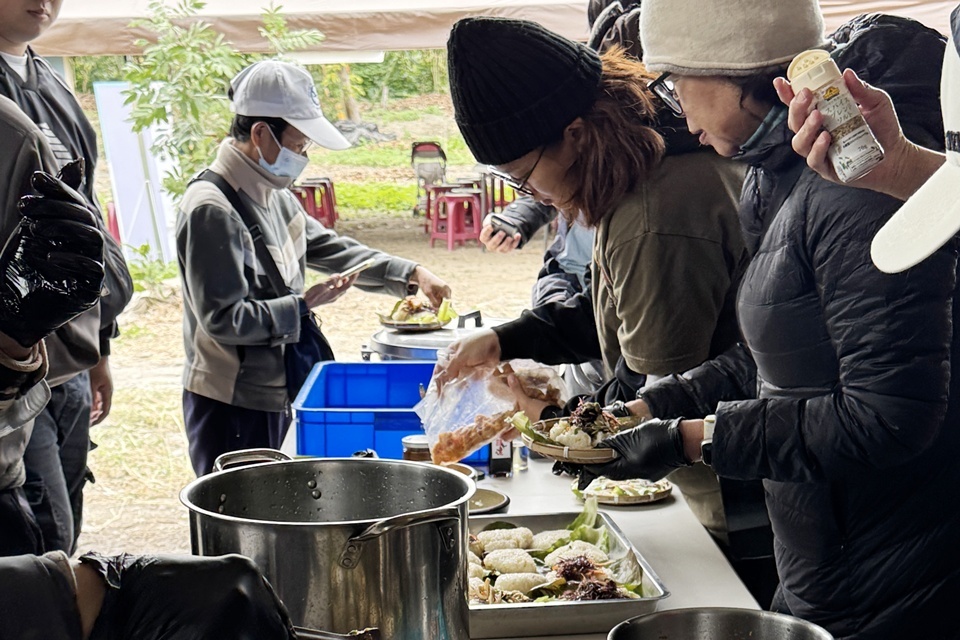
<point x="844" y="396"/>
<point x="80" y="379"/>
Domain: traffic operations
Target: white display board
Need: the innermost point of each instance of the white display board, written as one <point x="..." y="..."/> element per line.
<point x="145" y="212"/>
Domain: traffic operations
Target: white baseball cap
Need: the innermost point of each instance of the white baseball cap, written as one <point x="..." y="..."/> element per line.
<point x="931" y="216"/>
<point x="274" y="89"/>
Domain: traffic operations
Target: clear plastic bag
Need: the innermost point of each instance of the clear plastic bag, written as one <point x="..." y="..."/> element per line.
<point x="474" y="409"/>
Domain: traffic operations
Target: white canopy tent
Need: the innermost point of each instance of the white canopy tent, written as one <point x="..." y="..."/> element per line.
<point x="102" y="27"/>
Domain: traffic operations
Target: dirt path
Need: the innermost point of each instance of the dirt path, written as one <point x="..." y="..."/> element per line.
<point x="141" y="463"/>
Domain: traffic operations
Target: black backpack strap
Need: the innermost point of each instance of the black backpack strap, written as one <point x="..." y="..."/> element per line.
<point x="263" y="253"/>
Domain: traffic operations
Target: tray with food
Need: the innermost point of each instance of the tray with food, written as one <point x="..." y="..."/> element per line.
<point x="415" y="314"/>
<point x="555" y="574"/>
<point x="575" y="438"/>
<point x="624" y="492"/>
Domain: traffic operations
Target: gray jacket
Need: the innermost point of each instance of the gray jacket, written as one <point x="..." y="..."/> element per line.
<point x="234" y="327"/>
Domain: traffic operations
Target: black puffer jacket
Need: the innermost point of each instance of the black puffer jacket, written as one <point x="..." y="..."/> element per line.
<point x="846" y="397"/>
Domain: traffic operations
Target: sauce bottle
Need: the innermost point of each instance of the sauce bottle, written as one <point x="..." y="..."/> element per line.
<point x="854" y="150"/>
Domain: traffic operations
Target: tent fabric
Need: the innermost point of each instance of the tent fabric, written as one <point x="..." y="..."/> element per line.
<point x="102" y="27"/>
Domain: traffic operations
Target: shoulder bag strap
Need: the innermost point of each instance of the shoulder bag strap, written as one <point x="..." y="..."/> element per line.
<point x="263" y="253"/>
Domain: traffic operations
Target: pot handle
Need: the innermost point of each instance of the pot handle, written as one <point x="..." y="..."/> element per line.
<point x="350" y="556"/>
<point x="248" y="456"/>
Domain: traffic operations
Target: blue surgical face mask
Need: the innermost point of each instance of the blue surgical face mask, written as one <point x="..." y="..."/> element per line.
<point x="287" y="165"/>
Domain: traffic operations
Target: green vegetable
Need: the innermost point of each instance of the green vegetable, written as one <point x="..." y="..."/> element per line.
<point x="446" y="313"/>
<point x="553" y="588"/>
<point x="524" y="426"/>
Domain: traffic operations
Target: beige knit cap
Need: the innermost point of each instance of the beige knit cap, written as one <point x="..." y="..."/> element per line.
<point x="727" y="37"/>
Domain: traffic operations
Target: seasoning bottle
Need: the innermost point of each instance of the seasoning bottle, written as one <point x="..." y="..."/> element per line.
<point x="416" y="448"/>
<point x="854" y="150"/>
<point x="501" y="457"/>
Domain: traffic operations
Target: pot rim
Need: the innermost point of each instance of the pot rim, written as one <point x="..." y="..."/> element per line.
<point x="469" y="485"/>
<point x="811" y="626"/>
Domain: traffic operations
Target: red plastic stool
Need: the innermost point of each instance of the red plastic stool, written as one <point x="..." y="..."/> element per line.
<point x="319" y="200"/>
<point x="457" y="216"/>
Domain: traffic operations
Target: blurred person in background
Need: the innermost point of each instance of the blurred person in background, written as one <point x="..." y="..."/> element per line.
<point x="79" y="375"/>
<point x="235" y="327"/>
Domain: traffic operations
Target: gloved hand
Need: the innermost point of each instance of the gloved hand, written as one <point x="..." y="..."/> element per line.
<point x="51" y="268"/>
<point x="186" y="598"/>
<point x="649" y="451"/>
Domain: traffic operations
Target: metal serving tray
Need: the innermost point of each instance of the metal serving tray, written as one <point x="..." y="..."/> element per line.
<point x="563" y="618"/>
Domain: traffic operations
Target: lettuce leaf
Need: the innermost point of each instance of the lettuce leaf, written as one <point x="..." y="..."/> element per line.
<point x="524" y="426"/>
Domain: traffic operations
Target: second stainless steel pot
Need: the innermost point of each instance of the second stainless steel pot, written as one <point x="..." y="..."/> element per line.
<point x="717" y="623"/>
<point x="347" y="543"/>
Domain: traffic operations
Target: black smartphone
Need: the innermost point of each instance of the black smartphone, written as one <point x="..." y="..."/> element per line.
<point x="499" y="223"/>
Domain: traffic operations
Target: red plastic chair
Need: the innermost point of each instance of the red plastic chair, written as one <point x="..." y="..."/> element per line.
<point x="319" y="200"/>
<point x="457" y="216"/>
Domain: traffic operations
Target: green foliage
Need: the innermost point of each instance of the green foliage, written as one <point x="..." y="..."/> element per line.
<point x="404" y="73"/>
<point x="180" y="82"/>
<point x="357" y="199"/>
<point x="278" y="34"/>
<point x="147" y="272"/>
<point x="90" y="69"/>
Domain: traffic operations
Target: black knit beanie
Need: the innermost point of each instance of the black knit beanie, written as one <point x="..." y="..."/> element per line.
<point x="516" y="85"/>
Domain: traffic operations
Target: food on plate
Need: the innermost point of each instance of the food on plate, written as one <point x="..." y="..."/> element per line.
<point x="567" y="435"/>
<point x="579" y="568"/>
<point x="574" y="549"/>
<point x="590" y="418"/>
<point x="547" y="539"/>
<point x="476" y="571"/>
<point x="585" y="428"/>
<point x="414" y="310"/>
<point x="559" y="564"/>
<point x="510" y="561"/>
<point x="473" y="558"/>
<point x="476" y="547"/>
<point x="598" y="590"/>
<point x="485" y="593"/>
<point x="634" y="489"/>
<point x="522" y="582"/>
<point x="516" y="538"/>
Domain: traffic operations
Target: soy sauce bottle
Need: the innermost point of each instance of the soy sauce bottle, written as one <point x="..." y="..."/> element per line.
<point x="501" y="458"/>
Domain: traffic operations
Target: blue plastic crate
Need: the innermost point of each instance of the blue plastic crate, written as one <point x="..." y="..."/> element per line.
<point x="344" y="407"/>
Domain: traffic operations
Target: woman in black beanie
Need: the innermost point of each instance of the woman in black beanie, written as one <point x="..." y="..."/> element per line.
<point x="582" y="132"/>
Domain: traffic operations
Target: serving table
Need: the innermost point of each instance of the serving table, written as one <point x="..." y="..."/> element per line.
<point x="666" y="533"/>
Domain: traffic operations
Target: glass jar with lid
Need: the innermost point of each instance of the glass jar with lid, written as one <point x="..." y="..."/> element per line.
<point x="416" y="448"/>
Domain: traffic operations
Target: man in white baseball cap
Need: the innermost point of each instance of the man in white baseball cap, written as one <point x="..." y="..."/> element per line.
<point x="239" y="231"/>
<point x="928" y="181"/>
<point x="277" y="89"/>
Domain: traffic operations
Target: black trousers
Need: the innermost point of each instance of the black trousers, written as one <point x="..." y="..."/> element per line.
<point x="19" y="531"/>
<point x="214" y="428"/>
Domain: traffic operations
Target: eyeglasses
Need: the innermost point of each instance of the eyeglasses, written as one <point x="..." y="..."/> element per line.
<point x="519" y="184"/>
<point x="300" y="149"/>
<point x="666" y="90"/>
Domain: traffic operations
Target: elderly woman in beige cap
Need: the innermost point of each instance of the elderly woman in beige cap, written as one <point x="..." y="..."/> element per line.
<point x="844" y="396"/>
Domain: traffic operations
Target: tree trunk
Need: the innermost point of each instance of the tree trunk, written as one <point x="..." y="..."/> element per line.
<point x="350" y="105"/>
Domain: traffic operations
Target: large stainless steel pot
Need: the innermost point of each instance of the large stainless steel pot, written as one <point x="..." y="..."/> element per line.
<point x="390" y="344"/>
<point x="716" y="623"/>
<point x="348" y="543"/>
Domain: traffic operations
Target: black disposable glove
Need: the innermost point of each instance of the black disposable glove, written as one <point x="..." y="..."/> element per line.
<point x="187" y="598"/>
<point x="51" y="268"/>
<point x="649" y="451"/>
